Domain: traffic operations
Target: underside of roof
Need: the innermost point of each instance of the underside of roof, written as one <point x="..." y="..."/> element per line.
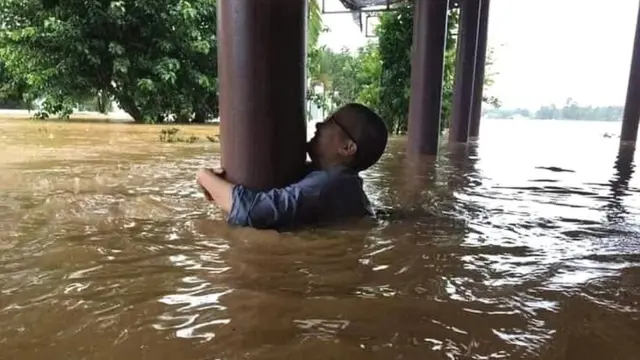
<point x="361" y="4"/>
<point x="357" y="7"/>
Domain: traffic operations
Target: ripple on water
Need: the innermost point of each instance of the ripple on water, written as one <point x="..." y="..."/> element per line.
<point x="487" y="251"/>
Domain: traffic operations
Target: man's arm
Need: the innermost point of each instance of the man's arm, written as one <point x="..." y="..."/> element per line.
<point x="216" y="188"/>
<point x="263" y="209"/>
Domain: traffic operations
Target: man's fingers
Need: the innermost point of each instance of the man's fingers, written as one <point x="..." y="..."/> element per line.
<point x="218" y="171"/>
<point x="214" y="171"/>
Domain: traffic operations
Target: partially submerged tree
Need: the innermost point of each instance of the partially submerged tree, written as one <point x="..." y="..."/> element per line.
<point x="156" y="58"/>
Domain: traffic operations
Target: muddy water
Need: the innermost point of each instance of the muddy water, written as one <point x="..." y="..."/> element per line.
<point x="525" y="246"/>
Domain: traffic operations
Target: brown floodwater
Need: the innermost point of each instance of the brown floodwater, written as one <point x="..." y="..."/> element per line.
<point x="524" y="246"/>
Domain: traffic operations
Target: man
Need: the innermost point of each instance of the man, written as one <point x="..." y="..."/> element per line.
<point x="349" y="141"/>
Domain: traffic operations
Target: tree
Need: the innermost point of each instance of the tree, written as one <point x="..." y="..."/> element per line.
<point x="395" y="34"/>
<point x="13" y="90"/>
<point x="502" y="113"/>
<point x="379" y="74"/>
<point x="156" y="58"/>
<point x="369" y="75"/>
<point x="315" y="72"/>
<point x="572" y="110"/>
<point x="547" y="112"/>
<point x="395" y="37"/>
<point x="314" y="23"/>
<point x="342" y="70"/>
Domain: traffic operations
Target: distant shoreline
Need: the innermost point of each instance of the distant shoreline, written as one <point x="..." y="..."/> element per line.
<point x="536" y="119"/>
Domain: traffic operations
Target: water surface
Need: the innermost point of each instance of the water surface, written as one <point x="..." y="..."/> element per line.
<point x="524" y="246"/>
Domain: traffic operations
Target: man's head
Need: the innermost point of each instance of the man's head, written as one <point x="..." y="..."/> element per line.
<point x="353" y="136"/>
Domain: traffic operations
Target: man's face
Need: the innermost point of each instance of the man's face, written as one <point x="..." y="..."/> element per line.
<point x="327" y="143"/>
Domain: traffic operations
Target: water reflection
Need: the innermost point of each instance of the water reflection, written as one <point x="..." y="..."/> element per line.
<point x="421" y="173"/>
<point x="489" y="250"/>
<point x="462" y="159"/>
<point x="624" y="168"/>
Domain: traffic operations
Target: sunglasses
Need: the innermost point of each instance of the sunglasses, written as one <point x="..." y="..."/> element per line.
<point x="342" y="128"/>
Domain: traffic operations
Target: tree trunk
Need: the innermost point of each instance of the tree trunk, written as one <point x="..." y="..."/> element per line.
<point x="199" y="117"/>
<point x="129" y="105"/>
<point x="103" y="102"/>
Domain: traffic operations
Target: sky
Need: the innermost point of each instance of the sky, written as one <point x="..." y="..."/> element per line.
<point x="544" y="51"/>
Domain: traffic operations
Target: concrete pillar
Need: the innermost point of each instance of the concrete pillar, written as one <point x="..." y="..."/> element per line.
<point x="481" y="61"/>
<point x="631" y="116"/>
<point x="261" y="67"/>
<point x="427" y="68"/>
<point x="465" y="68"/>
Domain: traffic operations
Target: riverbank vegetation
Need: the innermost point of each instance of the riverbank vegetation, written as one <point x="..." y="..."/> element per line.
<point x="157" y="60"/>
<point x="571" y="110"/>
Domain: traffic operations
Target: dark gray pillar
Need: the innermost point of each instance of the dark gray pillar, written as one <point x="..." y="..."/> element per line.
<point x="481" y="61"/>
<point x="465" y="69"/>
<point x="427" y="69"/>
<point x="631" y="116"/>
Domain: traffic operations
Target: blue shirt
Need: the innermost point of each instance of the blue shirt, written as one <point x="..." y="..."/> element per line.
<point x="322" y="196"/>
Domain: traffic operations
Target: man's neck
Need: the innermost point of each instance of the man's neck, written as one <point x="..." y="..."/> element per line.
<point x="335" y="166"/>
<point x="330" y="165"/>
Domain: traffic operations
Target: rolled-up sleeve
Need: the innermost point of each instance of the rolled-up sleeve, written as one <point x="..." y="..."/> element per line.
<point x="264" y="209"/>
<point x="274" y="208"/>
<point x="242" y="201"/>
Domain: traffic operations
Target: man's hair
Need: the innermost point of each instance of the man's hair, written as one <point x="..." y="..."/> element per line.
<point x="368" y="131"/>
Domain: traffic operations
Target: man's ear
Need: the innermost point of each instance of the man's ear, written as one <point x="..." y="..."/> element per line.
<point x="349" y="148"/>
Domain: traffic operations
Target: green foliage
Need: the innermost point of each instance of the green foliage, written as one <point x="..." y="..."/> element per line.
<point x="314" y="23"/>
<point x="395" y="34"/>
<point x="315" y="28"/>
<point x="347" y="75"/>
<point x="155" y="58"/>
<point x="379" y="74"/>
<point x="13" y="90"/>
<point x="369" y="75"/>
<point x="488" y="81"/>
<point x="504" y="113"/>
<point x="574" y="111"/>
<point x="158" y="60"/>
